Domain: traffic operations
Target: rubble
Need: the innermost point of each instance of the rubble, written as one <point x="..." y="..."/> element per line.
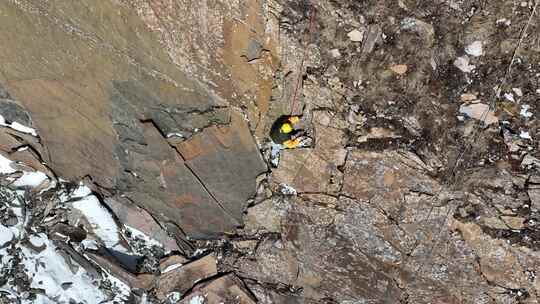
<point x="184" y="278"/>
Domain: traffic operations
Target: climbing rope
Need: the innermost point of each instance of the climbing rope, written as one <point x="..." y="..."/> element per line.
<point x="307" y="40"/>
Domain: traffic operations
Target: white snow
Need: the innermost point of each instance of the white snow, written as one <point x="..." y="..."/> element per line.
<point x="198" y="299"/>
<point x="6" y="235"/>
<point x="24" y="129"/>
<point x="101" y="221"/>
<point x="30" y="179"/>
<point x="89" y="244"/>
<point x="462" y="63"/>
<point x="525" y="111"/>
<point x="5" y="165"/>
<point x="174" y="297"/>
<point x="171" y="267"/>
<point x="525" y="135"/>
<point x="474" y="49"/>
<point x="81" y="191"/>
<point x="48" y="271"/>
<point x="518" y="92"/>
<point x="17" y="126"/>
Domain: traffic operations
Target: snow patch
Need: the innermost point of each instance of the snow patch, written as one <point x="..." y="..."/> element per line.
<point x="198" y="299"/>
<point x="101" y="221"/>
<point x="49" y="271"/>
<point x="6" y="235"/>
<point x="525" y="111"/>
<point x="18" y="127"/>
<point x="525" y="135"/>
<point x="31" y="179"/>
<point x="81" y="191"/>
<point x="5" y="165"/>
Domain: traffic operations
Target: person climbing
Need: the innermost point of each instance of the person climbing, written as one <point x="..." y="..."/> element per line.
<point x="283" y="132"/>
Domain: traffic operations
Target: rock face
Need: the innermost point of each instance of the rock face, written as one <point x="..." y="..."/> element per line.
<point x="133" y="138"/>
<point x="106" y="102"/>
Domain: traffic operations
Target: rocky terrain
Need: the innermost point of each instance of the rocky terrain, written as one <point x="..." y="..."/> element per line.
<point x="135" y="163"/>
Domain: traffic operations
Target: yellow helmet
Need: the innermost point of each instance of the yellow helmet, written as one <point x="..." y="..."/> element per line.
<point x="286" y="128"/>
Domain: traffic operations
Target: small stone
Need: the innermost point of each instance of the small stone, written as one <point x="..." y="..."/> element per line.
<point x="518" y="92"/>
<point x="462" y="63"/>
<point x="509" y="97"/>
<point x="183" y="278"/>
<point x="534" y="196"/>
<point x="356" y="36"/>
<point x="503" y="21"/>
<point x="474" y="49"/>
<point x="335" y="53"/>
<point x="171" y="262"/>
<point x="399" y="69"/>
<point x="513" y="222"/>
<point x="253" y="50"/>
<point x="468" y="97"/>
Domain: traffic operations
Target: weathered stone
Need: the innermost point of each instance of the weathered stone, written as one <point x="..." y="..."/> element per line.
<point x="169" y="189"/>
<point x="183" y="278"/>
<point x="75" y="234"/>
<point x="399" y="69"/>
<point x="171" y="262"/>
<point x="138" y="218"/>
<point x="265" y="215"/>
<point x="12" y="111"/>
<point x="497" y="263"/>
<point x="227" y="287"/>
<point x="227" y="161"/>
<point x="306" y="171"/>
<point x="253" y="50"/>
<point x="95" y="124"/>
<point x="385" y="176"/>
<point x="141" y="281"/>
<point x="347" y="266"/>
<point x="479" y="111"/>
<point x="534" y="196"/>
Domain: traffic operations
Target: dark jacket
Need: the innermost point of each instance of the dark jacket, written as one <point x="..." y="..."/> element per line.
<point x="275" y="133"/>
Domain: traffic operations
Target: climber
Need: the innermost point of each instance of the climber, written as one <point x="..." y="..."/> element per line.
<point x="283" y="133"/>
